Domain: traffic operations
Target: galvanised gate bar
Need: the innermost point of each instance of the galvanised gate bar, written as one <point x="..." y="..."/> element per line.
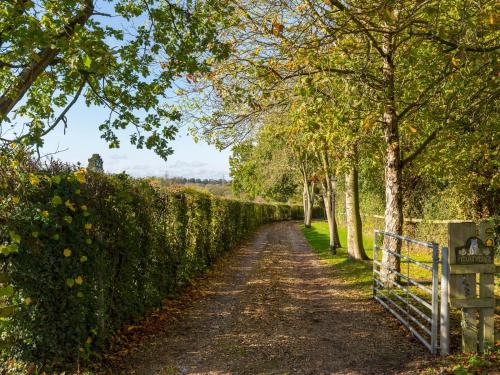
<point x="410" y="294"/>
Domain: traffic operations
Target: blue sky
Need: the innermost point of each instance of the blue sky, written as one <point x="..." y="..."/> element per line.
<point x="82" y="139"/>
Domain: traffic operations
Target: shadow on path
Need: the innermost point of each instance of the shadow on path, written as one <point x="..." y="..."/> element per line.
<point x="273" y="307"/>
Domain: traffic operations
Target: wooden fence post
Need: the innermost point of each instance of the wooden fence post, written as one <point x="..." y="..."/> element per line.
<point x="486" y="290"/>
<point x="471" y="254"/>
<point x="444" y="340"/>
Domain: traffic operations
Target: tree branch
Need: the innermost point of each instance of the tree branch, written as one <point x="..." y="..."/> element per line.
<point x="420" y="148"/>
<point x="45" y="57"/>
<point x="453" y="46"/>
<point x="337" y="4"/>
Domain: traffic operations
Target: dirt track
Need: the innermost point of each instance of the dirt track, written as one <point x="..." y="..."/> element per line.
<point x="272" y="307"/>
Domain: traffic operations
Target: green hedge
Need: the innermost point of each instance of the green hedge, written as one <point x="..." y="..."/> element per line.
<point x="90" y="252"/>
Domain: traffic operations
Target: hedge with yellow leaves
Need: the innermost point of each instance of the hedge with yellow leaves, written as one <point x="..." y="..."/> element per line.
<point x="86" y="253"/>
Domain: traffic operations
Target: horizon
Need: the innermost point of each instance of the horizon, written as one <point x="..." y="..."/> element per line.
<point x="190" y="159"/>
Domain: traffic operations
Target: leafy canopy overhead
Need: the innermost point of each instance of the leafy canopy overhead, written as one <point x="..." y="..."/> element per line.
<point x="120" y="55"/>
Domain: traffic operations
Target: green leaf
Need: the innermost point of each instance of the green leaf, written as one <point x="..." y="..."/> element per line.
<point x="6" y="291"/>
<point x="16" y="238"/>
<point x="9" y="249"/>
<point x="56" y="200"/>
<point x="7" y="311"/>
<point x="459" y="370"/>
<point x="87" y="61"/>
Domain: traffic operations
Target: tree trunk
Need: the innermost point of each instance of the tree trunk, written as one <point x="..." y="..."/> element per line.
<point x="305" y="200"/>
<point x="330" y="217"/>
<point x="329" y="200"/>
<point x="336" y="232"/>
<point x="355" y="247"/>
<point x="308" y="197"/>
<point x="310" y="204"/>
<point x="393" y="199"/>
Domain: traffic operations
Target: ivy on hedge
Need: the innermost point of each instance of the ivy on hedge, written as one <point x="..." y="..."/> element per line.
<point x="95" y="251"/>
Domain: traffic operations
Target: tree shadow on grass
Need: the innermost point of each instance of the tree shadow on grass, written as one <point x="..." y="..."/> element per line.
<point x="356" y="273"/>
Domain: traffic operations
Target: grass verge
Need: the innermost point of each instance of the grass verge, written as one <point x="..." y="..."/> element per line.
<point x="357" y="274"/>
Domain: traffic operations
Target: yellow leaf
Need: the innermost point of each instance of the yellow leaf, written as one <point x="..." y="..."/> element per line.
<point x="412" y="129"/>
<point x="33" y="179"/>
<point x="67" y="252"/>
<point x="79" y="280"/>
<point x="70" y="205"/>
<point x="15" y="199"/>
<point x="80" y="175"/>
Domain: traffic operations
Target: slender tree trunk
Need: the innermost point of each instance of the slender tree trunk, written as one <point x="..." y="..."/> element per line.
<point x="305" y="200"/>
<point x="393" y="198"/>
<point x="308" y="196"/>
<point x="330" y="217"/>
<point x="311" y="201"/>
<point x="336" y="237"/>
<point x="329" y="200"/>
<point x="355" y="247"/>
<point x="308" y="203"/>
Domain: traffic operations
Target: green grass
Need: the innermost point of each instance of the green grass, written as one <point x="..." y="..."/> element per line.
<point x="357" y="274"/>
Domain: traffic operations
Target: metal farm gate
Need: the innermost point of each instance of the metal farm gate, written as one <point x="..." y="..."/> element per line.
<point x="411" y="293"/>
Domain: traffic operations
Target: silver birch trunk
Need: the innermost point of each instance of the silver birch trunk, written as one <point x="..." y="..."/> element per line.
<point x="305" y="200"/>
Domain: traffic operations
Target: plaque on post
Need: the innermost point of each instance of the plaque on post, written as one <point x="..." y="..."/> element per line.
<point x="472" y="253"/>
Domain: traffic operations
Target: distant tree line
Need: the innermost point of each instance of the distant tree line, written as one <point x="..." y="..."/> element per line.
<point x="198" y="181"/>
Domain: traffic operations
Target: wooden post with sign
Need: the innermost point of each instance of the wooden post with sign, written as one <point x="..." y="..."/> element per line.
<point x="487" y="289"/>
<point x="470" y="254"/>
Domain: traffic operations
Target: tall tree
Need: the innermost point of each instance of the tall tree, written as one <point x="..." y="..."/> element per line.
<point x="95" y="163"/>
<point x="411" y="59"/>
<point x="412" y="55"/>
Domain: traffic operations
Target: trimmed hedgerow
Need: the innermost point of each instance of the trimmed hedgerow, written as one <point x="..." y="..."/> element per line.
<point x="87" y="252"/>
